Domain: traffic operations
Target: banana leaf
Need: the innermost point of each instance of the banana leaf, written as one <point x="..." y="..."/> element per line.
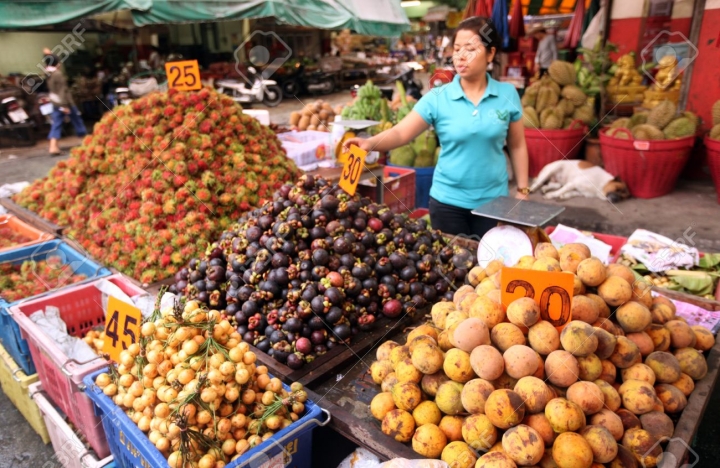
<point x="699" y="286"/>
<point x="709" y="261"/>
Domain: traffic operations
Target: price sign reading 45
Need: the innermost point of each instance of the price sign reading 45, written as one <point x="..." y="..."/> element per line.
<point x="122" y="327"/>
<point x="183" y="76"/>
<point x="552" y="291"/>
<point x="354" y="165"/>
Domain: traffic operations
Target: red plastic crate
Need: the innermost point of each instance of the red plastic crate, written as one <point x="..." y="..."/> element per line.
<point x="399" y="193"/>
<point x="81" y="309"/>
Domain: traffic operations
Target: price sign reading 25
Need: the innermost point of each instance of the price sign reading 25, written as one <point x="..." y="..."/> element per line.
<point x="354" y="165"/>
<point x="183" y="76"/>
<point x="552" y="291"/>
<point x="122" y="327"/>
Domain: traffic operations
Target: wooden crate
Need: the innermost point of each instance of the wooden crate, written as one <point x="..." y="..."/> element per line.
<point x="31" y="218"/>
<point x="687" y="426"/>
<point x="348" y="400"/>
<point x="327" y="365"/>
<point x="707" y="304"/>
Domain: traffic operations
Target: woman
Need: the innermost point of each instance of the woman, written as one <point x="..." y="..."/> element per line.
<point x="62" y="104"/>
<point x="473" y="116"/>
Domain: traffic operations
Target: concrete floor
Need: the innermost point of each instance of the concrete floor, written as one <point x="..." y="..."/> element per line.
<point x="691" y="208"/>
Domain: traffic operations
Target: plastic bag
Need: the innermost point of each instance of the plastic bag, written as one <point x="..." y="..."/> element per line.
<point x="362" y="458"/>
<point x="53" y="326"/>
<point x="405" y="463"/>
<point x="144" y="302"/>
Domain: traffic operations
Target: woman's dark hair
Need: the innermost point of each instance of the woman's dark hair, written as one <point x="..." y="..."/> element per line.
<point x="51" y="60"/>
<point x="483" y="27"/>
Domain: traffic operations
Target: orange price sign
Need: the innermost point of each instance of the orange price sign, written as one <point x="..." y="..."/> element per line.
<point x="552" y="291"/>
<point x="183" y="76"/>
<point x="354" y="165"/>
<point x="122" y="327"/>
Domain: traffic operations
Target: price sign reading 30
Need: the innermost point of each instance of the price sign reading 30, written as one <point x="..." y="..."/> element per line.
<point x="552" y="291"/>
<point x="354" y="165"/>
<point x="122" y="327"/>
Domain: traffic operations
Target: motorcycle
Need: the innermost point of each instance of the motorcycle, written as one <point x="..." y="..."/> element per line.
<point x="317" y="81"/>
<point x="405" y="72"/>
<point x="261" y="90"/>
<point x="14" y="119"/>
<point x="11" y="112"/>
<point x="45" y="106"/>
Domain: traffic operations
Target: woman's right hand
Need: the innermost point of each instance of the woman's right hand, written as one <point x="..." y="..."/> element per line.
<point x="362" y="143"/>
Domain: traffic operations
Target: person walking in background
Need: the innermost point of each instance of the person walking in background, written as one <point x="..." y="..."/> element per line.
<point x="63" y="104"/>
<point x="547" y="51"/>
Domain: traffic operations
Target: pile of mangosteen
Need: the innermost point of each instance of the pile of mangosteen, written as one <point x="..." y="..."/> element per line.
<point x="315" y="266"/>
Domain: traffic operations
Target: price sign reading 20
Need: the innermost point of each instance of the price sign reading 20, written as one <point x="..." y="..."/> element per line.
<point x="552" y="291"/>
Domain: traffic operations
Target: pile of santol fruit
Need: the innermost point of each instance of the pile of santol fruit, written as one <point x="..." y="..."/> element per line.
<point x="487" y="386"/>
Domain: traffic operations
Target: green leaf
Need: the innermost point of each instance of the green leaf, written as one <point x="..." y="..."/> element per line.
<point x="709" y="261"/>
<point x="695" y="285"/>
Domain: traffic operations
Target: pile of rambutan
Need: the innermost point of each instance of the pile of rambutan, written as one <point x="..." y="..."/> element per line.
<point x="160" y="178"/>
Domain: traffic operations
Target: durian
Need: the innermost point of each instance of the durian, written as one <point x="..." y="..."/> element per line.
<point x="662" y="114"/>
<point x="647" y="132"/>
<point x="562" y="72"/>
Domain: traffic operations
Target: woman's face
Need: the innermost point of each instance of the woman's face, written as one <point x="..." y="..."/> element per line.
<point x="470" y="56"/>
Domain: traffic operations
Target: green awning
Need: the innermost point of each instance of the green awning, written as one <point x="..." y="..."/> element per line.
<point x="34" y="13"/>
<point x="371" y="17"/>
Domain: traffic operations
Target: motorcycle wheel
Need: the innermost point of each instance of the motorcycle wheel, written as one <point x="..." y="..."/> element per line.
<point x="290" y="89"/>
<point x="273" y="96"/>
<point x="328" y="86"/>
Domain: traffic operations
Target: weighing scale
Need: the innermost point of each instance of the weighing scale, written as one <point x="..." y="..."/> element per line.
<point x="522" y="213"/>
<point x="522" y="229"/>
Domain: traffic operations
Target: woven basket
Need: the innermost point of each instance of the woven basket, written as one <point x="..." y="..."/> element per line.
<point x="649" y="168"/>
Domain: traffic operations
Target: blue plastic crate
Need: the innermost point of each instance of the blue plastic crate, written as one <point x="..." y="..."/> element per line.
<point x="10" y="336"/>
<point x="132" y="449"/>
<point x="423" y="182"/>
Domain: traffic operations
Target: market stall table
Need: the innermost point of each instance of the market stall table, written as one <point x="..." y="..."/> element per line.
<point x="332" y="175"/>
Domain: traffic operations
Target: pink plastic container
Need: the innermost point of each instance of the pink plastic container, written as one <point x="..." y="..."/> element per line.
<point x="69" y="449"/>
<point x="61" y="377"/>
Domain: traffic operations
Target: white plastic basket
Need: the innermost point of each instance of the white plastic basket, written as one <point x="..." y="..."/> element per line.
<point x="70" y="451"/>
<point x="304" y="147"/>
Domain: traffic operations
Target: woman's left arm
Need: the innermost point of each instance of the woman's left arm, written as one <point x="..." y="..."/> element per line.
<point x="518" y="155"/>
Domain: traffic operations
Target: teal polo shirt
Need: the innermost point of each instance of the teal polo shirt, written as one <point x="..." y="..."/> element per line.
<point x="471" y="169"/>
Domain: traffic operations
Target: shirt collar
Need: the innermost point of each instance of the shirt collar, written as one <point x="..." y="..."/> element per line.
<point x="456" y="91"/>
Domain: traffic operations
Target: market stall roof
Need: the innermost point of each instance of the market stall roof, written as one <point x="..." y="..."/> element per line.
<point x="370" y="17"/>
<point x="33" y="13"/>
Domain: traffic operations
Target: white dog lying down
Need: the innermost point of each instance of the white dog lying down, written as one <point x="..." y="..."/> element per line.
<point x="565" y="179"/>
